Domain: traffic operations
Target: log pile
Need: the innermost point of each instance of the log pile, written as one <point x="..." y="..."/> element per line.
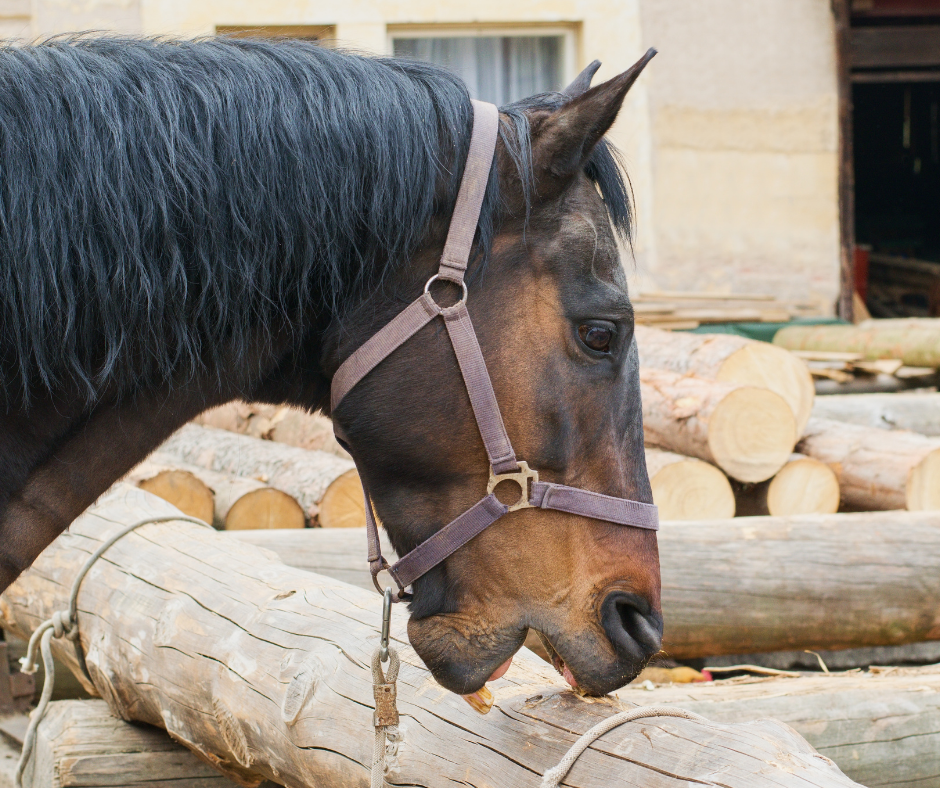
<point x="285" y="694"/>
<point x="914" y="411"/>
<point x="677" y="310"/>
<point x="803" y="486"/>
<point x="685" y="488"/>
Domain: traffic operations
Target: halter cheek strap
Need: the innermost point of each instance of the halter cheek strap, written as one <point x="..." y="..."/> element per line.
<point x="504" y="466"/>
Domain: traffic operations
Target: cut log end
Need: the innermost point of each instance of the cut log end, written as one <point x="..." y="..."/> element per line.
<point x="767" y="366"/>
<point x="923" y="485"/>
<point x="182" y="489"/>
<point x="803" y="486"/>
<point x="687" y="489"/>
<point x="343" y="505"/>
<point x="264" y="508"/>
<point x="751" y="434"/>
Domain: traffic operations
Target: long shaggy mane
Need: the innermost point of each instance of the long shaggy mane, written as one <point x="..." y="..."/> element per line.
<point x="164" y="202"/>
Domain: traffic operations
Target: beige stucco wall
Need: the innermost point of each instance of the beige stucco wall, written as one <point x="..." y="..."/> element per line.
<point x="730" y="138"/>
<point x="743" y="99"/>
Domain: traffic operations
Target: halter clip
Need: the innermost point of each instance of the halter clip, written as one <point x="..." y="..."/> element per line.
<point x="522" y="477"/>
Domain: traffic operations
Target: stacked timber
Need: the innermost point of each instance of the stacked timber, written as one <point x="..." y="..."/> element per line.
<point x="915" y="342"/>
<point x="731" y="359"/>
<point x="747" y="431"/>
<point x="914" y="411"/>
<point x="803" y="486"/>
<point x="278" y="423"/>
<point x="228" y="502"/>
<point x="678" y="310"/>
<point x="877" y="469"/>
<point x="264" y="671"/>
<point x="307" y="476"/>
<point x="685" y="488"/>
<point x="745" y="585"/>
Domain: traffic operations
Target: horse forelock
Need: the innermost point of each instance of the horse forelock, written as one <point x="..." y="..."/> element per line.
<point x="163" y="203"/>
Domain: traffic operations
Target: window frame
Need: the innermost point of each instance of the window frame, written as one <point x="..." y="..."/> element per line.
<point x="568" y="31"/>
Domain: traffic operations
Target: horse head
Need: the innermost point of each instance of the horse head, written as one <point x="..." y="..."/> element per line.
<point x="550" y="306"/>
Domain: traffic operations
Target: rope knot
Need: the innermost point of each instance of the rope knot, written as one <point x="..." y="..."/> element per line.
<point x="63" y="626"/>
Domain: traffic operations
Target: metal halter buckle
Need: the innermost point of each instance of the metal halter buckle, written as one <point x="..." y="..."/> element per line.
<point x="522" y="477"/>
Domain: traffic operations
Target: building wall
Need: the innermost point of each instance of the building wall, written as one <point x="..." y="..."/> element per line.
<point x="743" y="99"/>
<point x="730" y="137"/>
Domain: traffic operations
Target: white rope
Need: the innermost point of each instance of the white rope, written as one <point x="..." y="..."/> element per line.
<point x="553" y="777"/>
<point x="64" y="623"/>
<point x="387" y="737"/>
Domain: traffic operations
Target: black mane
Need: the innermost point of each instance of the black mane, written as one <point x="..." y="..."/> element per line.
<point x="162" y="200"/>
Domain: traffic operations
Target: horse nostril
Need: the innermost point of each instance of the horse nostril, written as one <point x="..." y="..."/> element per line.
<point x="634" y="629"/>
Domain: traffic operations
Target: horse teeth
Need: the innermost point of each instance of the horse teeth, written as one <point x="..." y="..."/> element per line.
<point x="481" y="701"/>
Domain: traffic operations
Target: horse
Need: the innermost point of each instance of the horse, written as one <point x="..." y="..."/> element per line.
<point x="188" y="222"/>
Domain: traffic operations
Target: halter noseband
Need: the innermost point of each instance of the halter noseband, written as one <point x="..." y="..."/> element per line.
<point x="503" y="463"/>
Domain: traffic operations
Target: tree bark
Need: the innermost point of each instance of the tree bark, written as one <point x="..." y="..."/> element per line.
<point x="731" y="359"/>
<point x="685" y="488"/>
<point x="877" y="469"/>
<point x="914" y="411"/>
<point x="750" y="584"/>
<point x="302" y="474"/>
<point x="802" y="486"/>
<point x="917" y="344"/>
<point x="264" y="671"/>
<point x="746" y="431"/>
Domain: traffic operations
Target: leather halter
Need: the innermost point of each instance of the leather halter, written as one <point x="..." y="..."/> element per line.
<point x="504" y="466"/>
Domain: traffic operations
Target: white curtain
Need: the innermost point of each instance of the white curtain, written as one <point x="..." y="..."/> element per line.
<point x="496" y="69"/>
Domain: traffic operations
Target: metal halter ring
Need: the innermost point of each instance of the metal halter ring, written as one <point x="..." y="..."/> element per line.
<point x="522" y="477"/>
<point x="463" y="295"/>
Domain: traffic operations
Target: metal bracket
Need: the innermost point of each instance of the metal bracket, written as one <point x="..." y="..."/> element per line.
<point x="522" y="477"/>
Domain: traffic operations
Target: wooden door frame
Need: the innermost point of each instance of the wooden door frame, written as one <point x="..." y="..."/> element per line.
<point x="842" y="13"/>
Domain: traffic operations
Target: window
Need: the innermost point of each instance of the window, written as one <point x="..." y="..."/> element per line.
<point x="496" y="68"/>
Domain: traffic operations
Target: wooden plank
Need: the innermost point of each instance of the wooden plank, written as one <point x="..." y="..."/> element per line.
<point x="896" y="46"/>
<point x="264" y="669"/>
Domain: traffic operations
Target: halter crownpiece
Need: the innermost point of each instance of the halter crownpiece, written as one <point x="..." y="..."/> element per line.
<point x="503" y="463"/>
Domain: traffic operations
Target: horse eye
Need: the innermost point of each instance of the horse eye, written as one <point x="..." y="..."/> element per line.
<point x="596" y="337"/>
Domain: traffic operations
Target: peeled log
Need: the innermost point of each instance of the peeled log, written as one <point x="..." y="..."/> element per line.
<point x="877" y="469"/>
<point x="749" y="584"/>
<point x="278" y="423"/>
<point x="228" y="502"/>
<point x="285" y="693"/>
<point x="688" y="489"/>
<point x="802" y="486"/>
<point x="304" y="475"/>
<point x="916" y="343"/>
<point x="914" y="411"/>
<point x="748" y="432"/>
<point x="731" y="359"/>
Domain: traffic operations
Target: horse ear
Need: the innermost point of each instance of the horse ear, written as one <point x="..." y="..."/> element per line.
<point x="562" y="139"/>
<point x="582" y="82"/>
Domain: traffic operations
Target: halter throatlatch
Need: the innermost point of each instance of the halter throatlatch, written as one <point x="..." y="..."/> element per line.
<point x="503" y="463"/>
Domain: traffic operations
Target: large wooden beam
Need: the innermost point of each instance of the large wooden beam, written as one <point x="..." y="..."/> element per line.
<point x="915" y="411"/>
<point x="751" y="584"/>
<point x="264" y="671"/>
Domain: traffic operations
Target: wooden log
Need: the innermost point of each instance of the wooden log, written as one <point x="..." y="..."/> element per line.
<point x="278" y="423"/>
<point x="228" y="502"/>
<point x="688" y="489"/>
<point x="746" y="431"/>
<point x="264" y="671"/>
<point x="877" y="469"/>
<point x="915" y="411"/>
<point x="916" y="343"/>
<point x="731" y="359"/>
<point x="178" y="485"/>
<point x="802" y="486"/>
<point x="749" y="584"/>
<point x="881" y="727"/>
<point x="80" y="743"/>
<point x="302" y="474"/>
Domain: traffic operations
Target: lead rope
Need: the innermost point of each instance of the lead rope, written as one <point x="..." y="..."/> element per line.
<point x="385" y="720"/>
<point x="553" y="777"/>
<point x="64" y="623"/>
